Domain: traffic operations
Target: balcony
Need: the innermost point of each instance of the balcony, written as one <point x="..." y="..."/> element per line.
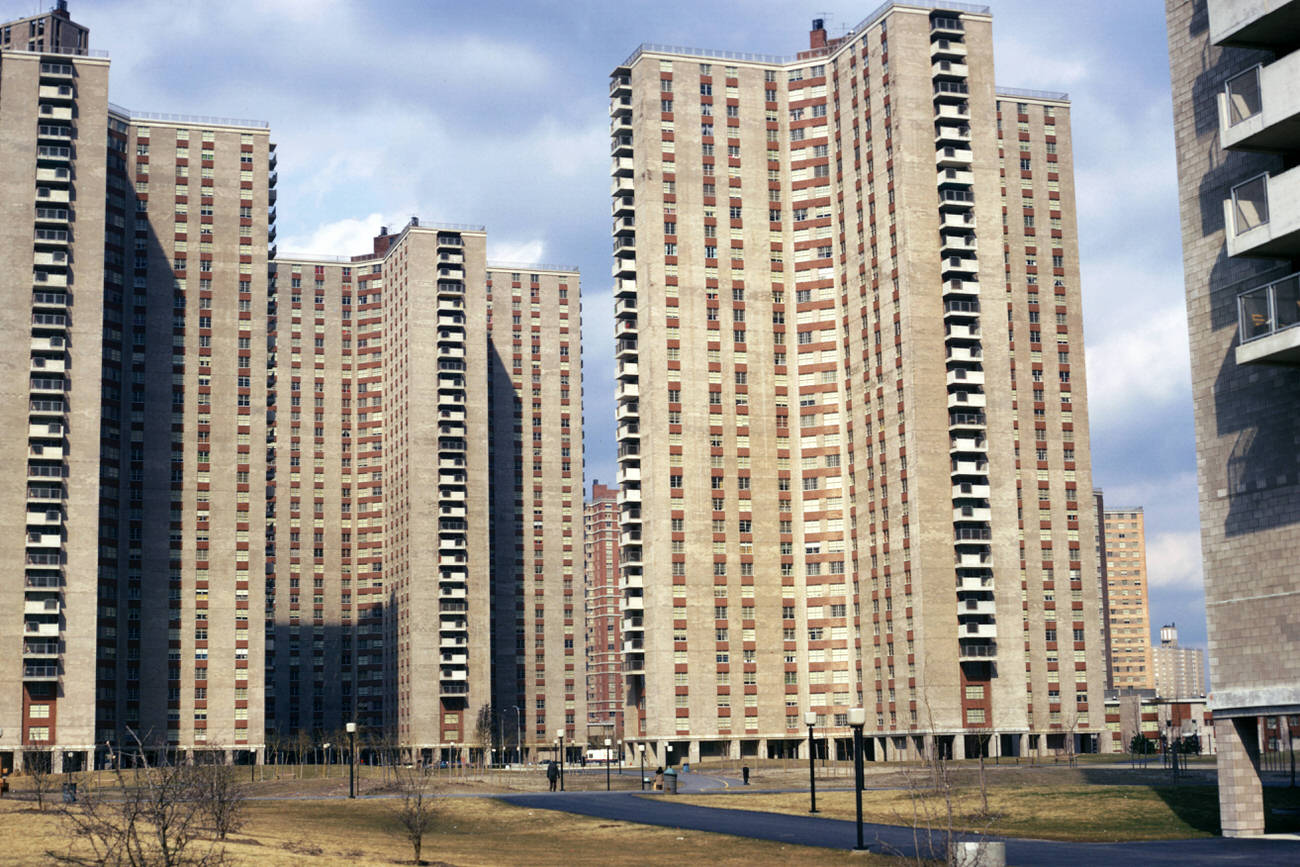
<point x="965" y="353"/>
<point x="946" y="26"/>
<point x="32" y="628"/>
<point x="963" y="331"/>
<point x="977" y="630"/>
<point x="1255" y="24"/>
<point x="953" y="157"/>
<point x="970" y="468"/>
<point x="57" y="175"/>
<point x="39" y="648"/>
<point x="1266" y="320"/>
<point x="969" y="443"/>
<point x="981" y="583"/>
<point x="949" y="68"/>
<point x="979" y="492"/>
<point x="1259" y="109"/>
<point x="54" y="112"/>
<point x="952" y="112"/>
<point x="623" y="204"/>
<point x="966" y="398"/>
<point x="962" y="375"/>
<point x="977" y="608"/>
<point x="628" y="474"/>
<point x="977" y="651"/>
<point x="1261" y="216"/>
<point x="620" y="85"/>
<point x="952" y="134"/>
<point x="622" y="166"/>
<point x="972" y="513"/>
<point x="956" y="176"/>
<point x="947" y="48"/>
<point x="621" y="186"/>
<point x="41" y="606"/>
<point x="35" y="671"/>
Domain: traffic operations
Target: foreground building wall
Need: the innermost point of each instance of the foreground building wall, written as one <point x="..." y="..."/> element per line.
<point x="849" y="474"/>
<point x="1232" y="65"/>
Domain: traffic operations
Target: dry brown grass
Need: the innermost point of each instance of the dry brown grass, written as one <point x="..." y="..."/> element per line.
<point x="1066" y="811"/>
<point x="472" y="831"/>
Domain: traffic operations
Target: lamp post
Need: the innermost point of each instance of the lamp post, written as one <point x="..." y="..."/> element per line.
<point x="810" y="719"/>
<point x="620" y="757"/>
<point x="519" y="740"/>
<point x="352" y="759"/>
<point x="326" y="746"/>
<point x="857" y="719"/>
<point x="607" y="758"/>
<point x="640" y="748"/>
<point x="559" y="738"/>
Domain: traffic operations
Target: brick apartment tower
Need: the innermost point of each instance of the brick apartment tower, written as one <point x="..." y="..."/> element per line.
<point x="1179" y="671"/>
<point x="416" y="349"/>
<point x="605" y="689"/>
<point x="852" y="419"/>
<point x="262" y="498"/>
<point x="1128" y="609"/>
<point x="145" y="428"/>
<point x="1233" y="66"/>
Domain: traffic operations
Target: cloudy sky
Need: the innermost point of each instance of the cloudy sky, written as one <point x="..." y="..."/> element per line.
<point x="496" y="113"/>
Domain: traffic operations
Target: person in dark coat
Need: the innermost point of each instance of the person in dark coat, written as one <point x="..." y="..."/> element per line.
<point x="552" y="773"/>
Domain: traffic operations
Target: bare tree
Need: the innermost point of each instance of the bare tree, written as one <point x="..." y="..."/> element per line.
<point x="37" y="768"/>
<point x="150" y="817"/>
<point x="223" y="794"/>
<point x="414" y="811"/>
<point x="483" y="730"/>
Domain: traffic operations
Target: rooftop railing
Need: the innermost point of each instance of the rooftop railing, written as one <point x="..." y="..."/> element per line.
<point x="804" y="57"/>
<point x="196" y="119"/>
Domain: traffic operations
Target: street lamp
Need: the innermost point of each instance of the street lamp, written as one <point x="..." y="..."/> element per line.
<point x="607" y="757"/>
<point x="810" y="719"/>
<point x="620" y="757"/>
<point x="326" y="747"/>
<point x="857" y="719"/>
<point x="559" y="737"/>
<point x="352" y="759"/>
<point x="640" y="748"/>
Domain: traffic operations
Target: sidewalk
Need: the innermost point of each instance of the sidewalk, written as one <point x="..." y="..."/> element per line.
<point x="892" y="839"/>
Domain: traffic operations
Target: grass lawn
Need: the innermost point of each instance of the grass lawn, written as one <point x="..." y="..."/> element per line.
<point x="472" y="831"/>
<point x="1067" y="812"/>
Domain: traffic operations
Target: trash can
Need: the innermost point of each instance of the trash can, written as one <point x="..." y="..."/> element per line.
<point x="69" y="793"/>
<point x="670" y="782"/>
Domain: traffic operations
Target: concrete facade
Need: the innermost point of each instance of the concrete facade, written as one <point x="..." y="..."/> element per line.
<point x="1246" y="418"/>
<point x="799" y="289"/>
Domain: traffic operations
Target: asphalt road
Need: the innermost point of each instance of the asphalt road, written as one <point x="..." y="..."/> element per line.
<point x="891" y="839"/>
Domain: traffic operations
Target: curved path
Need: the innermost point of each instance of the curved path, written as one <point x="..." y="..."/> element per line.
<point x="892" y="839"/>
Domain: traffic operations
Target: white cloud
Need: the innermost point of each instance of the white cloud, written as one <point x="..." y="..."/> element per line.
<point x="1174" y="560"/>
<point x="1134" y="370"/>
<point x="516" y="251"/>
<point x="347" y="237"/>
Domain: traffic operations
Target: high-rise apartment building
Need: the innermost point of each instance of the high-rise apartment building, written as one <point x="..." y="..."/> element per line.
<point x="53" y="173"/>
<point x="263" y="497"/>
<point x="852" y="415"/>
<point x="1233" y="66"/>
<point x="1179" y="671"/>
<point x="1103" y="588"/>
<point x="604" y="614"/>
<point x="1128" y="603"/>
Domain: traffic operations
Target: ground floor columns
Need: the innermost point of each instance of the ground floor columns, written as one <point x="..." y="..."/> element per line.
<point x="1241" y="797"/>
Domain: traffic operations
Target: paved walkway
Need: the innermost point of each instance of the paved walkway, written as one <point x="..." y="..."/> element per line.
<point x="891" y="839"/>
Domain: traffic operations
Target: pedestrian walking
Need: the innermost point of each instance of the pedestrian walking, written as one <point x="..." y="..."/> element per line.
<point x="552" y="773"/>
<point x="659" y="779"/>
<point x="744" y="774"/>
